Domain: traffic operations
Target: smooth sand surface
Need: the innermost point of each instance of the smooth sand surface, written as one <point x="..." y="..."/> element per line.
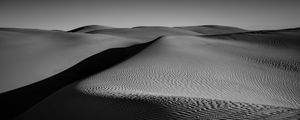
<point x="177" y="74"/>
<point x="213" y="29"/>
<point x="286" y="38"/>
<point x="90" y="28"/>
<point x="28" y="56"/>
<point x="144" y="33"/>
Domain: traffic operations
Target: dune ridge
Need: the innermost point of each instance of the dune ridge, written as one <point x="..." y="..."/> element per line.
<point x="37" y="54"/>
<point x="217" y="75"/>
<point x="144" y="33"/>
<point x="288" y="38"/>
<point x="90" y="28"/>
<point x="35" y="92"/>
<point x="165" y="80"/>
<point x="168" y="73"/>
<point x="213" y="29"/>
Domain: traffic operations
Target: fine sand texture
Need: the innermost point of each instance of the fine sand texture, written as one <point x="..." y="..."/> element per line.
<point x="156" y="73"/>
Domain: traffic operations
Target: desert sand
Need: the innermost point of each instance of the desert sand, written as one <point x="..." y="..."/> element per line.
<point x="90" y="28"/>
<point x="191" y="72"/>
<point x="213" y="29"/>
<point x="46" y="53"/>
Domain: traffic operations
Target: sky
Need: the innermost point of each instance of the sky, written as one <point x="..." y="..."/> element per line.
<point x="70" y="14"/>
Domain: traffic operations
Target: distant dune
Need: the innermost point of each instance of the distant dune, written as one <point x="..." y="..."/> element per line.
<point x="288" y="38"/>
<point x="213" y="29"/>
<point x="90" y="28"/>
<point x="144" y="33"/>
<point x="150" y="72"/>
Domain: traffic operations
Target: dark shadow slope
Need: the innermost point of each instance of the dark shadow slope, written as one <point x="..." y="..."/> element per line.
<point x="19" y="100"/>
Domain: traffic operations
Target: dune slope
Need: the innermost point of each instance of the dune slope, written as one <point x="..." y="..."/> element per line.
<point x="184" y="77"/>
<point x="199" y="67"/>
<point x="213" y="29"/>
<point x="287" y="38"/>
<point x="34" y="93"/>
<point x="90" y="28"/>
<point x="144" y="33"/>
<point x="29" y="55"/>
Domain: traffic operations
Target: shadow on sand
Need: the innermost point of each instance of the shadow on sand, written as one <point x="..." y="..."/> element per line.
<point x="17" y="101"/>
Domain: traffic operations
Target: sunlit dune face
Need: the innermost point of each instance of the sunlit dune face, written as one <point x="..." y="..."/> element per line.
<point x="191" y="72"/>
<point x="199" y="67"/>
<point x="149" y="59"/>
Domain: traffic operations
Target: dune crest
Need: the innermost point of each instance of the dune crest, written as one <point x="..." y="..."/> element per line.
<point x="90" y="28"/>
<point x="191" y="67"/>
<point x="144" y="33"/>
<point x="151" y="72"/>
<point x="213" y="29"/>
<point x="29" y="55"/>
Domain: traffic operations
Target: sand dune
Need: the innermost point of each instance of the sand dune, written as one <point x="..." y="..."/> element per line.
<point x="34" y="93"/>
<point x="31" y="55"/>
<point x="173" y="74"/>
<point x="213" y="29"/>
<point x="190" y="66"/>
<point x="144" y="33"/>
<point x="90" y="28"/>
<point x="288" y="38"/>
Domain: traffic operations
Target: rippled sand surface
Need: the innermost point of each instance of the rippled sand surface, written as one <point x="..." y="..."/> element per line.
<point x="177" y="74"/>
<point x="191" y="67"/>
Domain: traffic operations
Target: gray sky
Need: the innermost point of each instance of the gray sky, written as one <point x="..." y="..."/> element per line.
<point x="69" y="14"/>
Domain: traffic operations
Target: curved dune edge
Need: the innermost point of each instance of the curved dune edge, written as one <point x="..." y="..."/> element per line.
<point x="89" y="28"/>
<point x="144" y="33"/>
<point x="36" y="92"/>
<point x="285" y="38"/>
<point x="122" y="92"/>
<point x="31" y="55"/>
<point x="213" y="29"/>
<point x="100" y="96"/>
<point x="198" y="67"/>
